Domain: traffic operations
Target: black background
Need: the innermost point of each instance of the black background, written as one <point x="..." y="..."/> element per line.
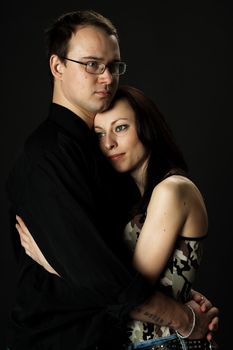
<point x="180" y="54"/>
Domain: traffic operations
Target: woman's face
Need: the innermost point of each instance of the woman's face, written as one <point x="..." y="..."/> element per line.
<point x="118" y="139"/>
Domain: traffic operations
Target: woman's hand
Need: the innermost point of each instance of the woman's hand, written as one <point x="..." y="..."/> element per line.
<point x="30" y="246"/>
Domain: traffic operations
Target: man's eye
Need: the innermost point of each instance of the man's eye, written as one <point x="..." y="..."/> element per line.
<point x="121" y="128"/>
<point x="93" y="64"/>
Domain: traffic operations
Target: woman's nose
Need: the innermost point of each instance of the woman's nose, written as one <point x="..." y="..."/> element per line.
<point x="110" y="143"/>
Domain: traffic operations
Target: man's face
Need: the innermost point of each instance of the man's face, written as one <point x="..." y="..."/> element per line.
<point x="84" y="93"/>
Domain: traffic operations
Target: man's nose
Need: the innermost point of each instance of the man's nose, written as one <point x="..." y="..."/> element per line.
<point x="106" y="77"/>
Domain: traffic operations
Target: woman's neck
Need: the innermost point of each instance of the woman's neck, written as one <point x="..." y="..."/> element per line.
<point x="139" y="176"/>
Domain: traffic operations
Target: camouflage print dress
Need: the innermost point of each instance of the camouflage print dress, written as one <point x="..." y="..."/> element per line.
<point x="176" y="280"/>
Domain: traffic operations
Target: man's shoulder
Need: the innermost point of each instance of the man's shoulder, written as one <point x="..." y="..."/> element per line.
<point x="31" y="151"/>
<point x="44" y="137"/>
<point x="40" y="142"/>
<point x="50" y="143"/>
<point x="51" y="148"/>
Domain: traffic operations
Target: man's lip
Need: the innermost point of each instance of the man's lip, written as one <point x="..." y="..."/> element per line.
<point x="103" y="93"/>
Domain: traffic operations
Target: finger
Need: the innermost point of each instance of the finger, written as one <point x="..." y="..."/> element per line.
<point x="204" y="308"/>
<point x="21" y="241"/>
<point x="213" y="326"/>
<point x="203" y="303"/>
<point x="206" y="305"/>
<point x="25" y="245"/>
<point x="22" y="224"/>
<point x="28" y="252"/>
<point x="212" y="313"/>
<point x="196" y="296"/>
<point x="21" y="232"/>
<point x="203" y="299"/>
<point x="209" y="336"/>
<point x="19" y="220"/>
<point x="24" y="240"/>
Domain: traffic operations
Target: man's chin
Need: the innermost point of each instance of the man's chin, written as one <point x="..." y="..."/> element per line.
<point x="104" y="106"/>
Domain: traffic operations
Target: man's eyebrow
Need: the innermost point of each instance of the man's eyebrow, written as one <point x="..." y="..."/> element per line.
<point x="91" y="58"/>
<point x="95" y="58"/>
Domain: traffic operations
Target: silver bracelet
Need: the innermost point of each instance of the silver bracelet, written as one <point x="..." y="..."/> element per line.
<point x="193" y="325"/>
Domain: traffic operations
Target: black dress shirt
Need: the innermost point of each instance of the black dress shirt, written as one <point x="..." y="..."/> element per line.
<point x="75" y="207"/>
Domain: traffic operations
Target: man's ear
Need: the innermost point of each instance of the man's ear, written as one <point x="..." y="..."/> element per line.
<point x="56" y="66"/>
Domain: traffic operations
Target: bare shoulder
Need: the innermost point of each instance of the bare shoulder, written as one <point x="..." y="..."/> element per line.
<point x="180" y="193"/>
<point x="182" y="197"/>
<point x="171" y="195"/>
<point x="177" y="187"/>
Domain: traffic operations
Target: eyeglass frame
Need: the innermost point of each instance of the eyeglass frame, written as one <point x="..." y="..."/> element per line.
<point x="100" y="64"/>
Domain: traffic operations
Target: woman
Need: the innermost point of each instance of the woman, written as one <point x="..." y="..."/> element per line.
<point x="170" y="220"/>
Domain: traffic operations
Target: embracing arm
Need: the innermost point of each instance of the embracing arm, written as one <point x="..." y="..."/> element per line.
<point x="60" y="212"/>
<point x="175" y="209"/>
<point x="164" y="311"/>
<point x="30" y="246"/>
<point x="165" y="216"/>
<point x="158" y="309"/>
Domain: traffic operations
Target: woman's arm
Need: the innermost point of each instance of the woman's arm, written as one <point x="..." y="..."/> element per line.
<point x="30" y="246"/>
<point x="168" y="211"/>
<point x="158" y="309"/>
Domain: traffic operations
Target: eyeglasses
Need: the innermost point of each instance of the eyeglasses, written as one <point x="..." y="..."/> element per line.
<point x="94" y="67"/>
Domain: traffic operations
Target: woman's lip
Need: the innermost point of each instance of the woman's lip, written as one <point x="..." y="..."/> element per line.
<point x="116" y="156"/>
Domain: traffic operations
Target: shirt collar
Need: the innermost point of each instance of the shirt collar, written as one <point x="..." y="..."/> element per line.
<point x="69" y="121"/>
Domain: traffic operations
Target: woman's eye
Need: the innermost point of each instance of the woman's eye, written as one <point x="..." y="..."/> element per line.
<point x="121" y="128"/>
<point x="100" y="134"/>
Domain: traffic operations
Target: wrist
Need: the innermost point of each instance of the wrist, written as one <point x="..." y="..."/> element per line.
<point x="186" y="332"/>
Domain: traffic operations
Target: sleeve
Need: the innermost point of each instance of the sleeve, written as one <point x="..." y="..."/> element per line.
<point x="56" y="204"/>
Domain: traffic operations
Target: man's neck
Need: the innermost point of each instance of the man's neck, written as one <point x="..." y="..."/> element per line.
<point x="88" y="118"/>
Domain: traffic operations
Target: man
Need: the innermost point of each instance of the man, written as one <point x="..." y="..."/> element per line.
<point x="74" y="206"/>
